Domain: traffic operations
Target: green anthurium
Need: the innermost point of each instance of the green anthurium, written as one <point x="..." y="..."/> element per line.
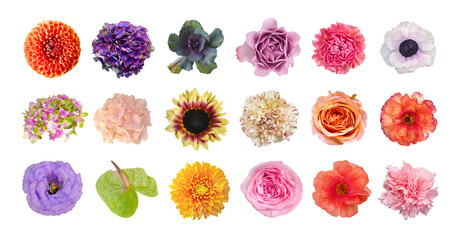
<point x="118" y="189"/>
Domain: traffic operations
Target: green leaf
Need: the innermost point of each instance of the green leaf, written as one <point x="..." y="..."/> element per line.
<point x="216" y="38"/>
<point x="84" y="114"/>
<point x="179" y="64"/>
<point x="171" y="40"/>
<point x="209" y="55"/>
<point x="119" y="199"/>
<point x="193" y="23"/>
<point x="205" y="68"/>
<point x="201" y="32"/>
<point x="143" y="183"/>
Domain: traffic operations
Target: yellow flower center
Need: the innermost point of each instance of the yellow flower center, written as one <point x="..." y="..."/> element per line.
<point x="342" y="189"/>
<point x="408" y="119"/>
<point x="201" y="189"/>
<point x="53" y="188"/>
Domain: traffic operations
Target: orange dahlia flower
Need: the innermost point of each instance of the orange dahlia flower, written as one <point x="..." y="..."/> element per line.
<point x="407" y="120"/>
<point x="52" y="48"/>
<point x="200" y="190"/>
<point x="341" y="190"/>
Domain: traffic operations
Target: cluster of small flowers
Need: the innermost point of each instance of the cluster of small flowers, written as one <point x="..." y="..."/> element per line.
<point x="57" y="115"/>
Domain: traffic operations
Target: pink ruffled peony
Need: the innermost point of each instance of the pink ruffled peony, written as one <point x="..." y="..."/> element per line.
<point x="339" y="48"/>
<point x="123" y="118"/>
<point x="273" y="188"/>
<point x="409" y="190"/>
<point x="272" y="49"/>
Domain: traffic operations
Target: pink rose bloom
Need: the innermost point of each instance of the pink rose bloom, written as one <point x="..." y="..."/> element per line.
<point x="339" y="48"/>
<point x="123" y="118"/>
<point x="272" y="188"/>
<point x="272" y="49"/>
<point x="409" y="190"/>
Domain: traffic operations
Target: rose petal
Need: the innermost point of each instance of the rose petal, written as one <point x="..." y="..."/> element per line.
<point x="245" y="53"/>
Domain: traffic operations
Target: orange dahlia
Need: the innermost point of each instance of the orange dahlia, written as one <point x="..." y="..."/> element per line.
<point x="200" y="189"/>
<point x="407" y="120"/>
<point x="341" y="190"/>
<point x="52" y="48"/>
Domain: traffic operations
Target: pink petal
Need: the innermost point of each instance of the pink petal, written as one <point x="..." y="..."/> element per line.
<point x="245" y="53"/>
<point x="261" y="71"/>
<point x="270" y="24"/>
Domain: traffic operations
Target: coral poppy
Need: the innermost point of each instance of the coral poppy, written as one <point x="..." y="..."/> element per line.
<point x="197" y="119"/>
<point x="52" y="48"/>
<point x="339" y="48"/>
<point x="409" y="190"/>
<point x="200" y="190"/>
<point x="407" y="120"/>
<point x="341" y="190"/>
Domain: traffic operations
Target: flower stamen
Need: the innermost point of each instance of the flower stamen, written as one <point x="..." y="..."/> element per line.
<point x="342" y="189"/>
<point x="408" y="119"/>
<point x="53" y="188"/>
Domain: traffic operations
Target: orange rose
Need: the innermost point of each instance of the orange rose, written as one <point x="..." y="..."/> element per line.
<point x="338" y="118"/>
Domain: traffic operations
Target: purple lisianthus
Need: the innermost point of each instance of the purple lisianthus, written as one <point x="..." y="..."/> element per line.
<point x="52" y="188"/>
<point x="122" y="47"/>
<point x="272" y="49"/>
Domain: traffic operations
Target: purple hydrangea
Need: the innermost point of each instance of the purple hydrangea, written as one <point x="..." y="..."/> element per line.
<point x="122" y="47"/>
<point x="57" y="115"/>
<point x="52" y="188"/>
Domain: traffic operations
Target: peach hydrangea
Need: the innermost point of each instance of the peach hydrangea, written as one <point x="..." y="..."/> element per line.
<point x="123" y="118"/>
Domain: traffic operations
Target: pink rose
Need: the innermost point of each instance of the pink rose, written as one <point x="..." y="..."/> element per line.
<point x="272" y="188"/>
<point x="270" y="49"/>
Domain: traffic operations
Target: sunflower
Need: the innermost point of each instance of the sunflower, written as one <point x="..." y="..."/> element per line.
<point x="52" y="48"/>
<point x="200" y="189"/>
<point x="197" y="119"/>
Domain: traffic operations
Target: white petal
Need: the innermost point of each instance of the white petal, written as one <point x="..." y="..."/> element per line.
<point x="412" y="63"/>
<point x="426" y="60"/>
<point x="403" y="70"/>
<point x="397" y="60"/>
<point x="391" y="43"/>
<point x="417" y="33"/>
<point x="400" y="33"/>
<point x="428" y="43"/>
<point x="385" y="53"/>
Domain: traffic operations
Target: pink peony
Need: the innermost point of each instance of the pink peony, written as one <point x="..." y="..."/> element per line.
<point x="270" y="49"/>
<point x="272" y="188"/>
<point x="339" y="48"/>
<point x="123" y="118"/>
<point x="409" y="190"/>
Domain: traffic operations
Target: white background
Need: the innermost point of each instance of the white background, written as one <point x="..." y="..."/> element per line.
<point x="162" y="156"/>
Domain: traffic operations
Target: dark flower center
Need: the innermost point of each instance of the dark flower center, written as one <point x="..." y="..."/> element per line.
<point x="342" y="189"/>
<point x="408" y="119"/>
<point x="196" y="121"/>
<point x="53" y="188"/>
<point x="194" y="44"/>
<point x="408" y="48"/>
<point x="53" y="48"/>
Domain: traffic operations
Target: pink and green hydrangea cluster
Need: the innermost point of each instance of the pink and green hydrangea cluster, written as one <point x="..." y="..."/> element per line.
<point x="57" y="115"/>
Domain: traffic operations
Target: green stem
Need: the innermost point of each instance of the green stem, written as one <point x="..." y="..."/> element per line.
<point x="122" y="175"/>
